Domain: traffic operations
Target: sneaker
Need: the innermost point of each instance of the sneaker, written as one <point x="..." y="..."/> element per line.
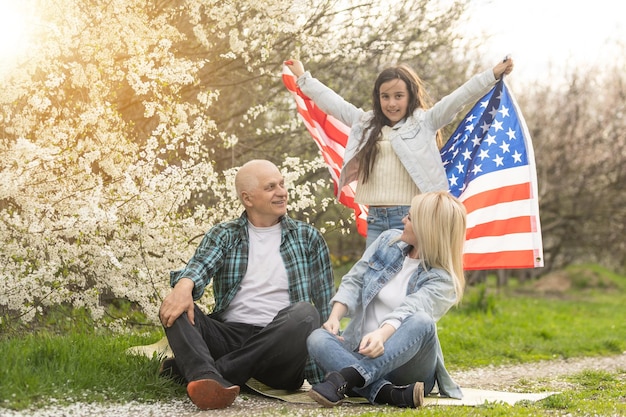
<point x="209" y="394"/>
<point x="412" y="396"/>
<point x="331" y="392"/>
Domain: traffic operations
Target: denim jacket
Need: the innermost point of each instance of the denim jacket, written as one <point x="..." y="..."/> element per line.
<point x="431" y="291"/>
<point x="414" y="142"/>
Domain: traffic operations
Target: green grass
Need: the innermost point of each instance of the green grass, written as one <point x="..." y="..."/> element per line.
<point x="524" y="329"/>
<point x="78" y="367"/>
<point x="64" y="358"/>
<point x="519" y="326"/>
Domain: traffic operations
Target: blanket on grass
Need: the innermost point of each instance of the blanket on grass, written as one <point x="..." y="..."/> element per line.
<point x="471" y="396"/>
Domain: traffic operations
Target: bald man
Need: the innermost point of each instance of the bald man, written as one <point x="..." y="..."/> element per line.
<point x="272" y="284"/>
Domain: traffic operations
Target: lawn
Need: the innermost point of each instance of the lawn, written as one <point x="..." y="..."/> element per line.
<point x="66" y="360"/>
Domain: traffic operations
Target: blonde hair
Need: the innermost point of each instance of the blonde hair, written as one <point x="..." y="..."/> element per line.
<point x="439" y="223"/>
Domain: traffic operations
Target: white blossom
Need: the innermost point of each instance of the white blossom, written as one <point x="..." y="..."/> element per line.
<point x="104" y="148"/>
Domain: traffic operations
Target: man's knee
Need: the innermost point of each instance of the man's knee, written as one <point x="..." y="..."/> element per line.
<point x="305" y="313"/>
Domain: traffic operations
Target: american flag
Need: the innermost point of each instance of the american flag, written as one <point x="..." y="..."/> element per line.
<point x="331" y="137"/>
<point x="490" y="164"/>
<point x="489" y="161"/>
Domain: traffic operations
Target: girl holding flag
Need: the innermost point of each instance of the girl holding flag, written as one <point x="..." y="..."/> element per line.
<point x="393" y="150"/>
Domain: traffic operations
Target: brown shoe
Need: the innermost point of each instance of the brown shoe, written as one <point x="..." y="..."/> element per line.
<point x="208" y="394"/>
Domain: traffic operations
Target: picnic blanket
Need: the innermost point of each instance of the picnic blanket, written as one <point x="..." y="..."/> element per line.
<point x="471" y="396"/>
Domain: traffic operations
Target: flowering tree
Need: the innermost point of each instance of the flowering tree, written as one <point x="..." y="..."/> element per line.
<point x="121" y="127"/>
<point x="104" y="143"/>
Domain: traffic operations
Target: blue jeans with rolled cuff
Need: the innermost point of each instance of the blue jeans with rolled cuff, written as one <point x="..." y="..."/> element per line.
<point x="410" y="356"/>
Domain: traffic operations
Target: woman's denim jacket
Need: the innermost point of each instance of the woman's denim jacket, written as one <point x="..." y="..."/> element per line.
<point x="431" y="291"/>
<point x="414" y="142"/>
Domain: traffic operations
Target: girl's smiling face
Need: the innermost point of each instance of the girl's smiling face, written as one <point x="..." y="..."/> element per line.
<point x="394" y="100"/>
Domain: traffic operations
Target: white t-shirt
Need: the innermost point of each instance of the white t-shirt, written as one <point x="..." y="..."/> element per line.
<point x="264" y="289"/>
<point x="390" y="297"/>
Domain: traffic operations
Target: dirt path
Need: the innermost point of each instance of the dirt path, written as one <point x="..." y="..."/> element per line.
<point x="544" y="373"/>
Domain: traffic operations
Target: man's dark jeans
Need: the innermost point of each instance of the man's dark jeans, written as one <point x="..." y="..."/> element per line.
<point x="274" y="355"/>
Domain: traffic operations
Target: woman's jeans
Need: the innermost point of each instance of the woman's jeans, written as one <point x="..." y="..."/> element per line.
<point x="410" y="356"/>
<point x="380" y="219"/>
<point x="275" y="355"/>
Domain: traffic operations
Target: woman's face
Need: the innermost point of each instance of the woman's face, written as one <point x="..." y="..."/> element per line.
<point x="394" y="100"/>
<point x="408" y="235"/>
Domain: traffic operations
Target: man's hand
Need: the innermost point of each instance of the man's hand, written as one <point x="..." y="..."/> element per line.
<point x="178" y="302"/>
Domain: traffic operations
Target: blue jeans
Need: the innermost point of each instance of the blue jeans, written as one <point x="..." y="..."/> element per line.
<point x="410" y="356"/>
<point x="380" y="219"/>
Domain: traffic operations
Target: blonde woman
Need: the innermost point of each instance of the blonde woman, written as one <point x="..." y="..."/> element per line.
<point x="405" y="282"/>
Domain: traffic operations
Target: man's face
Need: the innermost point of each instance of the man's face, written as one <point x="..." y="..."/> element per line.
<point x="267" y="202"/>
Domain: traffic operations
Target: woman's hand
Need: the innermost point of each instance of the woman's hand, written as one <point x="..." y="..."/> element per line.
<point x="373" y="344"/>
<point x="295" y="66"/>
<point x="504" y="67"/>
<point x="333" y="323"/>
<point x="333" y="326"/>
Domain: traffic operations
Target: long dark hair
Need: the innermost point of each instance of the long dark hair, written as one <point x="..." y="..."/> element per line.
<point x="418" y="98"/>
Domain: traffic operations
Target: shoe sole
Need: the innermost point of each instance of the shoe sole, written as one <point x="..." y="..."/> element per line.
<point x="208" y="394"/>
<point x="418" y="394"/>
<point x="320" y="399"/>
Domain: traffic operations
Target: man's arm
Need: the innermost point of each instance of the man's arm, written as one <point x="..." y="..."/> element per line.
<point x="177" y="302"/>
